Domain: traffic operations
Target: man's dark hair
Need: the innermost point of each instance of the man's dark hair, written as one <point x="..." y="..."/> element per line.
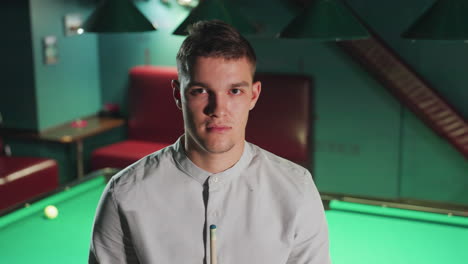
<point x="213" y="39"/>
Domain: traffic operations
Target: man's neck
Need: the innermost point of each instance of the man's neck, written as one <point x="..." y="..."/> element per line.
<point x="214" y="162"/>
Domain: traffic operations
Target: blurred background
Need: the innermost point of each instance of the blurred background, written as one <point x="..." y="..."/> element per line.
<point x="365" y="141"/>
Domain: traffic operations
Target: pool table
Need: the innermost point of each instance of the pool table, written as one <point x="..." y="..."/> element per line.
<point x="359" y="233"/>
<point x="27" y="236"/>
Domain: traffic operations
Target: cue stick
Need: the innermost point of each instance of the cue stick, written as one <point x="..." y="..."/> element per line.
<point x="213" y="257"/>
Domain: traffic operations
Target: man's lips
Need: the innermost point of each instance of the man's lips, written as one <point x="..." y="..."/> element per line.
<point x="218" y="128"/>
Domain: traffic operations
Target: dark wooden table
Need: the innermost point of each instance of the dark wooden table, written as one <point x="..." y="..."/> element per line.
<point x="68" y="134"/>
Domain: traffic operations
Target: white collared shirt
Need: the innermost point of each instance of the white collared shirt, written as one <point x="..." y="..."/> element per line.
<point x="267" y="211"/>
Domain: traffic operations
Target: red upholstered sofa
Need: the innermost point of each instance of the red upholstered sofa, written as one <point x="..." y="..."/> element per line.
<point x="280" y="122"/>
<point x="24" y="178"/>
<point x="154" y="121"/>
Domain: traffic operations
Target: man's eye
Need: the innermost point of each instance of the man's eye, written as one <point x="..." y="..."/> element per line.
<point x="197" y="91"/>
<point x="236" y="91"/>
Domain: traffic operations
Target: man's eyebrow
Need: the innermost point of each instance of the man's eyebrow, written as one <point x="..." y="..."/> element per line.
<point x="240" y="84"/>
<point x="191" y="84"/>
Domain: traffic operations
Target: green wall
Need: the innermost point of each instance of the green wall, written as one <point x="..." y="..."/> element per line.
<point x="430" y="168"/>
<point x="17" y="97"/>
<point x="366" y="142"/>
<point x="71" y="88"/>
<point x="36" y="96"/>
<point x="119" y="52"/>
<point x="442" y="63"/>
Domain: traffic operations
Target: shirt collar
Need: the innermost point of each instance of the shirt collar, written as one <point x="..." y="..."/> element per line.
<point x="200" y="175"/>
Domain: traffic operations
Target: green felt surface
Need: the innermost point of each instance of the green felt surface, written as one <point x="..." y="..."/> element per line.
<point x="364" y="234"/>
<point x="26" y="236"/>
<point x="359" y="234"/>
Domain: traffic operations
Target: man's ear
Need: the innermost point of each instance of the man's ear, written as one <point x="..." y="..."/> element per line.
<point x="176" y="93"/>
<point x="256" y="89"/>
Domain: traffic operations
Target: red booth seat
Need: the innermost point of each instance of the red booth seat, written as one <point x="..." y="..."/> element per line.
<point x="124" y="153"/>
<point x="280" y="122"/>
<point x="23" y="178"/>
<point x="154" y="120"/>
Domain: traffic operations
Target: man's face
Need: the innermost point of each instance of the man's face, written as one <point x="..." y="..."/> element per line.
<point x="215" y="100"/>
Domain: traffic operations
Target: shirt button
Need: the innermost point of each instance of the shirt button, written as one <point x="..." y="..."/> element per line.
<point x="214" y="179"/>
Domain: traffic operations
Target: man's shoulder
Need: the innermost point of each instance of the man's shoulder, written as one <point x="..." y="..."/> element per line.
<point x="280" y="168"/>
<point x="145" y="167"/>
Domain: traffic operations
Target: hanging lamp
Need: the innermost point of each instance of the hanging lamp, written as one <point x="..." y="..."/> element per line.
<point x="112" y="16"/>
<point x="325" y="20"/>
<point x="217" y="9"/>
<point x="444" y="20"/>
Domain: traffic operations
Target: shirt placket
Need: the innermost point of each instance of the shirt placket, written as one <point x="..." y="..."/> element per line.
<point x="214" y="212"/>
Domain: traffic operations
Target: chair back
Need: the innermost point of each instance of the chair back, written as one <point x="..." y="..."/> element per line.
<point x="281" y="119"/>
<point x="153" y="114"/>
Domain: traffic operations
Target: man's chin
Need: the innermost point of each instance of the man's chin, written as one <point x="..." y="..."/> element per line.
<point x="218" y="148"/>
<point x="215" y="143"/>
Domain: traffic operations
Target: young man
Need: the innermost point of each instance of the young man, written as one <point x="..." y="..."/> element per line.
<point x="266" y="209"/>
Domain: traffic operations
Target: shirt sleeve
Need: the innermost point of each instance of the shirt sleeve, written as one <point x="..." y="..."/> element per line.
<point x="110" y="241"/>
<point x="311" y="244"/>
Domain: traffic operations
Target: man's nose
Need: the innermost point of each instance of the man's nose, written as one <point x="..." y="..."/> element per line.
<point x="217" y="104"/>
